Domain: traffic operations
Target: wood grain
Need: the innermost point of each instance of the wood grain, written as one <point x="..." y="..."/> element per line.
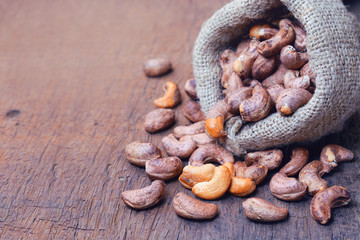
<point x="74" y="71"/>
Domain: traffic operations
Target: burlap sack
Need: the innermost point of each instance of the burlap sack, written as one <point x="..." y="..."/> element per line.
<point x="333" y="48"/>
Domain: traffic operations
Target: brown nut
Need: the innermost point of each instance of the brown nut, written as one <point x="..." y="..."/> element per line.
<point x="192" y="111"/>
<point x="244" y="43"/>
<point x="259" y="210"/>
<point x="262" y="31"/>
<point x="299" y="157"/>
<point x="200" y="139"/>
<point x="171" y="98"/>
<point x="257" y="107"/>
<point x="145" y="197"/>
<point x="324" y="201"/>
<point x="299" y="82"/>
<point x="195" y="128"/>
<point x="241" y="187"/>
<point x="190" y="88"/>
<point x="291" y="99"/>
<point x="216" y="187"/>
<point x="138" y="152"/>
<point x="234" y="83"/>
<point x="156" y="67"/>
<point x="287" y="188"/>
<point x="273" y="46"/>
<point x="181" y="149"/>
<point x="234" y="99"/>
<point x="159" y="119"/>
<point x="289" y="75"/>
<point x="192" y="175"/>
<point x="251" y="82"/>
<point x="191" y="208"/>
<point x="274" y="92"/>
<point x="256" y="173"/>
<point x="226" y="61"/>
<point x="243" y="64"/>
<point x="293" y="59"/>
<point x="210" y="153"/>
<point x="311" y="176"/>
<point x="269" y="158"/>
<point x="305" y="70"/>
<point x="333" y="154"/>
<point x="214" y="123"/>
<point x="300" y="34"/>
<point x="263" y="67"/>
<point x="163" y="168"/>
<point x="276" y="78"/>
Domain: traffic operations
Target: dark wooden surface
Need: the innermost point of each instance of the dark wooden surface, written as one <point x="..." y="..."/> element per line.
<point x="74" y="71"/>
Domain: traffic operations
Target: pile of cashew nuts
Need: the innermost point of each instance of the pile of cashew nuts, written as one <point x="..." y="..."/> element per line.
<point x="212" y="171"/>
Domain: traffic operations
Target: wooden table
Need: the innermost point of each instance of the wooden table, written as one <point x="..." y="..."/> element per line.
<point x="73" y="70"/>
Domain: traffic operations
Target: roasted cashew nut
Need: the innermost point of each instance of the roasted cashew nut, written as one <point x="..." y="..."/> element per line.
<point x="181" y="149"/>
<point x="244" y="63"/>
<point x="214" y="123"/>
<point x="291" y="99"/>
<point x="276" y="78"/>
<point x="262" y="31"/>
<point x="163" y="168"/>
<point x="256" y="173"/>
<point x="300" y="34"/>
<point x="157" y="67"/>
<point x="259" y="210"/>
<point x="263" y="67"/>
<point x="293" y="59"/>
<point x="192" y="111"/>
<point x="311" y="176"/>
<point x="192" y="175"/>
<point x="299" y="158"/>
<point x="269" y="158"/>
<point x="171" y="98"/>
<point x="287" y="188"/>
<point x="200" y="139"/>
<point x="144" y="197"/>
<point x="210" y="153"/>
<point x="190" y="89"/>
<point x="333" y="154"/>
<point x="138" y="152"/>
<point x="159" y="119"/>
<point x="195" y="128"/>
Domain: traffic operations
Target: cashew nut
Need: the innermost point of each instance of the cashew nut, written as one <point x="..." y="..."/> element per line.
<point x="210" y="153"/>
<point x="276" y="78"/>
<point x="171" y="98"/>
<point x="305" y="70"/>
<point x="145" y="197"/>
<point x="259" y="210"/>
<point x="200" y="139"/>
<point x="299" y="82"/>
<point x="192" y="175"/>
<point x="291" y="99"/>
<point x="214" y="123"/>
<point x="216" y="187"/>
<point x="195" y="128"/>
<point x="263" y="67"/>
<point x="192" y="111"/>
<point x="293" y="59"/>
<point x="190" y="88"/>
<point x="190" y="208"/>
<point x="269" y="158"/>
<point x="156" y="67"/>
<point x="274" y="92"/>
<point x="262" y="31"/>
<point x="236" y="97"/>
<point x="257" y="173"/>
<point x="234" y="83"/>
<point x="181" y="149"/>
<point x="333" y="154"/>
<point x="257" y="107"/>
<point x="324" y="201"/>
<point x="244" y="63"/>
<point x="138" y="152"/>
<point x="287" y="188"/>
<point x="311" y="176"/>
<point x="159" y="119"/>
<point x="163" y="168"/>
<point x="300" y="34"/>
<point x="299" y="158"/>
<point x="226" y="63"/>
<point x="241" y="186"/>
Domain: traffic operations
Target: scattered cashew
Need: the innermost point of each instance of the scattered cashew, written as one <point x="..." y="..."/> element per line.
<point x="171" y="98"/>
<point x="214" y="123"/>
<point x="190" y="88"/>
<point x="299" y="82"/>
<point x="216" y="187"/>
<point x="273" y="45"/>
<point x="311" y="176"/>
<point x="236" y="97"/>
<point x="200" y="139"/>
<point x="257" y="107"/>
<point x="287" y="188"/>
<point x="270" y="158"/>
<point x="210" y="153"/>
<point x="156" y="67"/>
<point x="259" y="210"/>
<point x="163" y="168"/>
<point x="257" y="173"/>
<point x="145" y="197"/>
<point x="274" y="92"/>
<point x="192" y="175"/>
<point x="239" y="186"/>
<point x="243" y="64"/>
<point x="262" y="31"/>
<point x="190" y="208"/>
<point x="324" y="201"/>
<point x="195" y="128"/>
<point x="192" y="111"/>
<point x="300" y="34"/>
<point x="263" y="67"/>
<point x="333" y="154"/>
<point x="181" y="149"/>
<point x="276" y="77"/>
<point x="159" y="119"/>
<point x="293" y="59"/>
<point x="138" y="152"/>
<point x="299" y="158"/>
<point x="291" y="99"/>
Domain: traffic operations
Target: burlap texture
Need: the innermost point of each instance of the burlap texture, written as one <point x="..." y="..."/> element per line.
<point x="333" y="48"/>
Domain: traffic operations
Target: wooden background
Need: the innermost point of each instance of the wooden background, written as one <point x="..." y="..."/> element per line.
<point x="73" y="70"/>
